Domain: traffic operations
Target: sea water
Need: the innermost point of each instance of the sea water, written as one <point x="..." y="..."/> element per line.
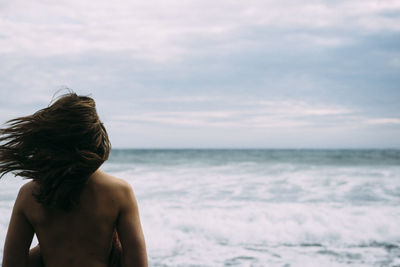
<point x="259" y="207"/>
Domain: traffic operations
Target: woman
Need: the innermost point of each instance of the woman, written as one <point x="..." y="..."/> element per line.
<point x="81" y="215"/>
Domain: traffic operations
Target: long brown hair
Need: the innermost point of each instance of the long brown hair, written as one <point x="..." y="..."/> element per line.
<point x="58" y="147"/>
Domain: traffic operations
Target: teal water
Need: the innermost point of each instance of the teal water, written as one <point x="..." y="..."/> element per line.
<point x="224" y="156"/>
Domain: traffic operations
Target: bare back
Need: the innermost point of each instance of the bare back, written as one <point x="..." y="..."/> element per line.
<point x="82" y="237"/>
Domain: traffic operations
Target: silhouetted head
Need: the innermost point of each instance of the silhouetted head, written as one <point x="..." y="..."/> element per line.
<point x="58" y="147"/>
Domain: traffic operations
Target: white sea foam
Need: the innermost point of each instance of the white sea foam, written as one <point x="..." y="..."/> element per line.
<point x="210" y="211"/>
<point x="227" y="215"/>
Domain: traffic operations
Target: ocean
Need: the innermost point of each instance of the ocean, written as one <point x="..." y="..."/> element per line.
<point x="212" y="207"/>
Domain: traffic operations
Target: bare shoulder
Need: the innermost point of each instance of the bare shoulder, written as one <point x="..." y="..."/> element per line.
<point x="26" y="191"/>
<point x="104" y="179"/>
<point x="25" y="201"/>
<point x="116" y="186"/>
<point x="28" y="187"/>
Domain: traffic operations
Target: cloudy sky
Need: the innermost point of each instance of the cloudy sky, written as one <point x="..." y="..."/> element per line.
<point x="244" y="73"/>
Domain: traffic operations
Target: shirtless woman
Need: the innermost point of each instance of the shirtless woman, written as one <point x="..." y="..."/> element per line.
<point x="78" y="212"/>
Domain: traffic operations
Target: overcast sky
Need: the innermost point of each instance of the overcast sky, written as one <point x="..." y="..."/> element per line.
<point x="168" y="73"/>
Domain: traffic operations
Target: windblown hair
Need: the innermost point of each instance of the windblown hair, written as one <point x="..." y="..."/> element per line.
<point x="58" y="147"/>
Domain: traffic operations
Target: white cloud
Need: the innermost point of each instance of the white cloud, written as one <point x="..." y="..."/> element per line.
<point x="183" y="99"/>
<point x="168" y="30"/>
<point x="317" y="40"/>
<point x="297" y="108"/>
<point x="245" y="114"/>
<point x="383" y="121"/>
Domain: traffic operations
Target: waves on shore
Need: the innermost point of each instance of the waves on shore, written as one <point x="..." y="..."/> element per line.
<point x="260" y="207"/>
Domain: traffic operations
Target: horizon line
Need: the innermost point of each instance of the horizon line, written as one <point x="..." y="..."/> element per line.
<point x="255" y="148"/>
